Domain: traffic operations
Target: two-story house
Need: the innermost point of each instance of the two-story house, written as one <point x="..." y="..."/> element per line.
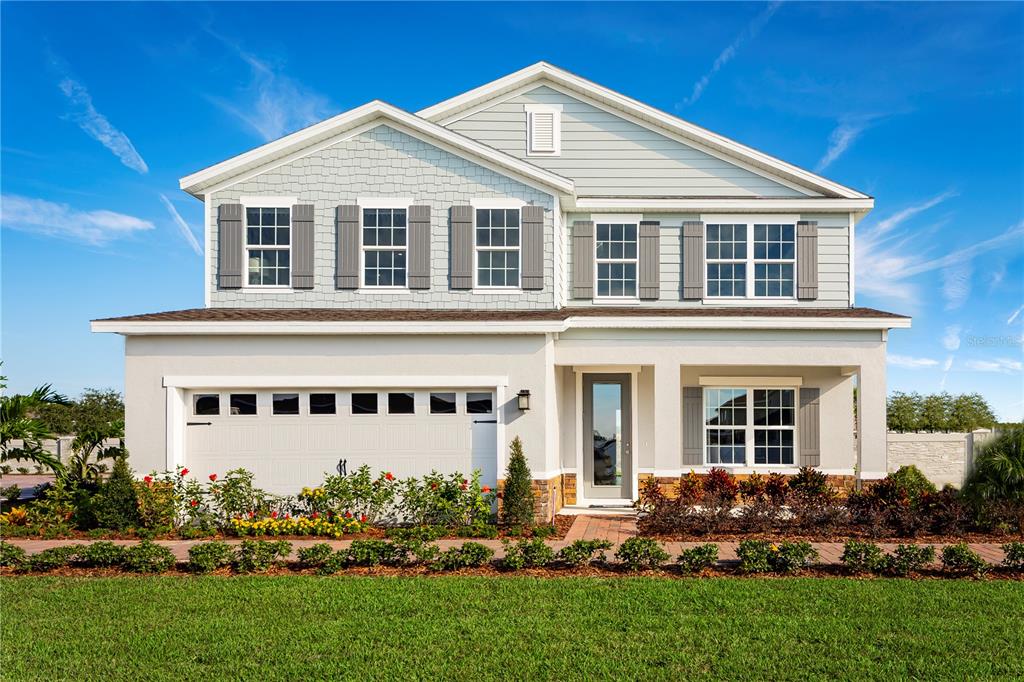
<point x="630" y="294"/>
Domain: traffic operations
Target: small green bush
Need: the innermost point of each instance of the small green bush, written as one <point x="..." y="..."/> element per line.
<point x="863" y="557"/>
<point x="761" y="556"/>
<point x="258" y="556"/>
<point x="333" y="563"/>
<point x="103" y="554"/>
<point x="907" y="559"/>
<point x="533" y="553"/>
<point x="206" y="557"/>
<point x="963" y="560"/>
<point x="755" y="556"/>
<point x="582" y="552"/>
<point x="469" y="555"/>
<point x="1014" y="559"/>
<point x="11" y="493"/>
<point x="910" y="480"/>
<point x="315" y="556"/>
<point x="369" y="552"/>
<point x="542" y="532"/>
<point x="408" y="552"/>
<point x="12" y="556"/>
<point x="51" y="559"/>
<point x="699" y="558"/>
<point x="148" y="557"/>
<point x="517" y="496"/>
<point x="637" y="553"/>
<point x="116" y="505"/>
<point x="478" y="530"/>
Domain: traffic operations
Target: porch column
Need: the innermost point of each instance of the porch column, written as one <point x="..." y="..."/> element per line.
<point x="871" y="394"/>
<point x="668" y="417"/>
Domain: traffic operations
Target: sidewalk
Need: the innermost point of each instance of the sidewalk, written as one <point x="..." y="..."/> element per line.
<point x="614" y="529"/>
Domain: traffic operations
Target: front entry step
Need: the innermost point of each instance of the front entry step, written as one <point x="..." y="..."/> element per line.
<point x="603" y="510"/>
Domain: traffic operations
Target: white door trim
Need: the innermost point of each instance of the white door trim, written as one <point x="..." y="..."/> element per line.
<point x="633" y="371"/>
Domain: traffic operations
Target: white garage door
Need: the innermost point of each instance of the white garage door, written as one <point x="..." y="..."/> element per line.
<point x="292" y="438"/>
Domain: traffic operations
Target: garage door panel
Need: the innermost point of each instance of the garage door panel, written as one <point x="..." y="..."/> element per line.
<point x="366" y="436"/>
<point x="286" y="438"/>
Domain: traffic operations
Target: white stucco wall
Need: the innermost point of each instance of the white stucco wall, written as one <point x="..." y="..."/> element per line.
<point x="941" y="457"/>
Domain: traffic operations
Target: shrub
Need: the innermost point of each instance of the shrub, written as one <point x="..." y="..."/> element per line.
<point x="817" y="512"/>
<point x="907" y="559"/>
<point x="450" y="501"/>
<point x="469" y="555"/>
<point x="51" y="559"/>
<point x="258" y="556"/>
<point x="809" y="481"/>
<point x="544" y="531"/>
<point x="863" y="557"/>
<point x="206" y="557"/>
<point x="236" y="497"/>
<point x="116" y="505"/>
<point x="407" y="552"/>
<point x="103" y="554"/>
<point x="359" y="493"/>
<point x="533" y="553"/>
<point x="637" y="553"/>
<point x="317" y="526"/>
<point x="147" y="557"/>
<point x="478" y="530"/>
<point x="1014" y="559"/>
<point x="946" y="512"/>
<point x="517" y="496"/>
<point x="156" y="504"/>
<point x="699" y="558"/>
<point x="961" y="559"/>
<point x="999" y="469"/>
<point x="583" y="552"/>
<point x="761" y="556"/>
<point x="910" y="481"/>
<point x="332" y="564"/>
<point x="11" y="493"/>
<point x="369" y="553"/>
<point x="315" y="556"/>
<point x="12" y="556"/>
<point x="719" y="491"/>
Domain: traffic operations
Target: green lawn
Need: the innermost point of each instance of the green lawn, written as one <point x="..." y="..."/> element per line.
<point x="470" y="628"/>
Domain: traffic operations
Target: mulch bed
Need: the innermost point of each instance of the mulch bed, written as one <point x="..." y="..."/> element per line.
<point x="789" y="536"/>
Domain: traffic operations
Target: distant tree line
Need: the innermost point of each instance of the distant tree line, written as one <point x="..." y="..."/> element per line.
<point x="913" y="412"/>
<point x="95" y="411"/>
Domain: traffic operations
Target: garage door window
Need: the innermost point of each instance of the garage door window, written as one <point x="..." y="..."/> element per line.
<point x="243" y="403"/>
<point x="321" y="403"/>
<point x="401" y="403"/>
<point x="206" y="404"/>
<point x="442" y="403"/>
<point x="364" y="403"/>
<point x="286" y="403"/>
<point x="479" y="403"/>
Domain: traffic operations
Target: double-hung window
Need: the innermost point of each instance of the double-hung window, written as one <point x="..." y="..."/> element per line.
<point x="497" y="247"/>
<point x="267" y="246"/>
<point x="384" y="247"/>
<point x="750" y="260"/>
<point x="616" y="251"/>
<point x="739" y="422"/>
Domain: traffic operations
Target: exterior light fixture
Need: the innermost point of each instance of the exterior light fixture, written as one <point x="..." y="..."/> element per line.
<point x="523" y="400"/>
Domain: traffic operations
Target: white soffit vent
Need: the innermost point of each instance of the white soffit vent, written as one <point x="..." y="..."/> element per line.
<point x="543" y="129"/>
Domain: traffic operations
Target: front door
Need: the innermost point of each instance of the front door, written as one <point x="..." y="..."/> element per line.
<point x="607" y="437"/>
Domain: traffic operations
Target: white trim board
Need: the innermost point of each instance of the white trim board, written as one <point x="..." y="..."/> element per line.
<point x="753" y="382"/>
<point x="321" y="381"/>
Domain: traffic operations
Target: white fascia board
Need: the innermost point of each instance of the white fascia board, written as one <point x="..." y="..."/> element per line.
<point x="765" y="382"/>
<point x="751" y="322"/>
<point x="637" y="108"/>
<point x="804" y="205"/>
<point x="198" y="182"/>
<point x="321" y="381"/>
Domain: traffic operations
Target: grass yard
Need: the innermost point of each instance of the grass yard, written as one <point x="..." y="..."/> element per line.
<point x="294" y="627"/>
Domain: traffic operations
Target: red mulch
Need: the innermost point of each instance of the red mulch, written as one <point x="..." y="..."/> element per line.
<point x="787" y="536"/>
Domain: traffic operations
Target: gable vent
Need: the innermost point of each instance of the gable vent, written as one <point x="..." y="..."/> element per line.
<point x="543" y="130"/>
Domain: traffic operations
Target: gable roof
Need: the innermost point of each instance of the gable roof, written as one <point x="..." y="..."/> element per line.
<point x="653" y="118"/>
<point x="198" y="183"/>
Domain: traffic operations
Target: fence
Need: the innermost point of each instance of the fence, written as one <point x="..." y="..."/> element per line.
<point x="945" y="458"/>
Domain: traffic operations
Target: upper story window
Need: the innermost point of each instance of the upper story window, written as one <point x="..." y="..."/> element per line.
<point x="746" y="261"/>
<point x="384" y="247"/>
<point x="738" y="420"/>
<point x="616" y="250"/>
<point x="267" y="246"/>
<point x="497" y="247"/>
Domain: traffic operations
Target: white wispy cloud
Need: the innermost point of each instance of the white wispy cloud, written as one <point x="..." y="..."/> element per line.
<point x="98" y="127"/>
<point x="1016" y="313"/>
<point x="1000" y="365"/>
<point x="749" y="32"/>
<point x="60" y="220"/>
<point x="910" y="362"/>
<point x="896" y="219"/>
<point x="946" y="366"/>
<point x="183" y="227"/>
<point x="951" y="339"/>
<point x="844" y="135"/>
<point x="956" y="284"/>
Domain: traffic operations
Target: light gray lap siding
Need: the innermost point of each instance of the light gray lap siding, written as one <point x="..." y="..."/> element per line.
<point x="383" y="162"/>
<point x="608" y="155"/>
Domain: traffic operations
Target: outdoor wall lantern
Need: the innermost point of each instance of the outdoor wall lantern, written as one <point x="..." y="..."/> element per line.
<point x="523" y="400"/>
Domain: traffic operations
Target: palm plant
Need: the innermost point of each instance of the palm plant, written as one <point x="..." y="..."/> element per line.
<point x="19" y="423"/>
<point x="999" y="469"/>
<point x="90" y="449"/>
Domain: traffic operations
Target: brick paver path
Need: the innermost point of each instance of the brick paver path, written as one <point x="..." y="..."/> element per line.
<point x="617" y="529"/>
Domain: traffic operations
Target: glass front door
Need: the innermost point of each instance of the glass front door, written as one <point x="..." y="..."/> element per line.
<point x="607" y="437"/>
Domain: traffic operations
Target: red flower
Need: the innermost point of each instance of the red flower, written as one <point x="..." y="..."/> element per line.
<point x="362" y="517"/>
<point x="388" y="476"/>
<point x="486" y="489"/>
<point x="433" y="486"/>
<point x="287" y="516"/>
<point x="148" y="480"/>
<point x="194" y="503"/>
<point x="463" y="486"/>
<point x="348" y="515"/>
<point x="465" y="482"/>
<point x="213" y="477"/>
<point x="315" y="515"/>
<point x="184" y="472"/>
<point x="252" y="514"/>
<point x="273" y="514"/>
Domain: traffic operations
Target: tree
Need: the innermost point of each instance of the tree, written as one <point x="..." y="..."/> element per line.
<point x="908" y="412"/>
<point x="116" y="505"/>
<point x="903" y="412"/>
<point x="517" y="498"/>
<point x="17" y="423"/>
<point x="969" y="412"/>
<point x="999" y="469"/>
<point x="82" y="467"/>
<point x="935" y="410"/>
<point x="96" y="409"/>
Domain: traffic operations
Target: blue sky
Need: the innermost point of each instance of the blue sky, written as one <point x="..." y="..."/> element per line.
<point x="104" y="107"/>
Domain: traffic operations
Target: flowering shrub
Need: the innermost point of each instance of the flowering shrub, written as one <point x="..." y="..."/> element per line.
<point x="156" y="503"/>
<point x="637" y="553"/>
<point x="963" y="560"/>
<point x="698" y="558"/>
<point x="359" y="493"/>
<point x="533" y="553"/>
<point x="315" y="525"/>
<point x="445" y="500"/>
<point x="583" y="552"/>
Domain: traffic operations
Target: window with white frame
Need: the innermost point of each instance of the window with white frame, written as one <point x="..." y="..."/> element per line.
<point x="740" y="420"/>
<point x="616" y="252"/>
<point x="268" y="246"/>
<point x="384" y="247"/>
<point x="497" y="247"/>
<point x="750" y="261"/>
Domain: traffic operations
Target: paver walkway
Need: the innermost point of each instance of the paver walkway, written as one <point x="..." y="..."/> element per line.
<point x="616" y="529"/>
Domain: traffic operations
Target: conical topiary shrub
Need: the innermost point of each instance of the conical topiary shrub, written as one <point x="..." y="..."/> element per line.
<point x="517" y="499"/>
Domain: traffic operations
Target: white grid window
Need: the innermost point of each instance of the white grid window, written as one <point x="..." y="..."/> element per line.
<point x="497" y="247"/>
<point x="755" y="261"/>
<point x="267" y="246"/>
<point x="616" y="251"/>
<point x="727" y="260"/>
<point x="774" y="259"/>
<point x="384" y="247"/>
<point x="738" y="420"/>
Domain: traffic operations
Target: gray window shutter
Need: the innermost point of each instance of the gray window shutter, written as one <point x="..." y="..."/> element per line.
<point x="693" y="426"/>
<point x="229" y="246"/>
<point x="810" y="427"/>
<point x="583" y="259"/>
<point x="419" y="247"/>
<point x="807" y="260"/>
<point x="650" y="257"/>
<point x="693" y="260"/>
<point x="532" y="228"/>
<point x="462" y="247"/>
<point x="302" y="246"/>
<point x="347" y="219"/>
